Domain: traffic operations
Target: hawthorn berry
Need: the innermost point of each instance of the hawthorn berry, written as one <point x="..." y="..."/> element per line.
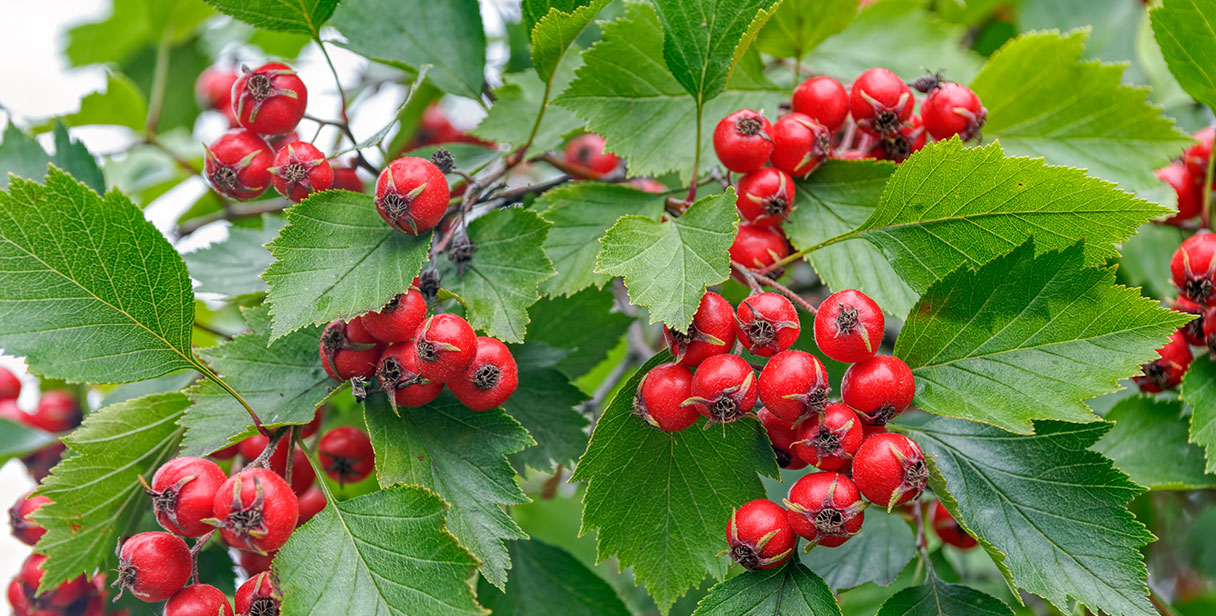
<point x="782" y="436"/>
<point x="302" y="474"/>
<point x="299" y="170"/>
<point x="1167" y="370"/>
<point x="490" y="380"/>
<point x="64" y="594"/>
<point x="10" y="411"/>
<point x="794" y="384"/>
<point x="661" y="395"/>
<point x="1196" y="157"/>
<point x="19" y="598"/>
<point x="182" y="491"/>
<point x="346" y="454"/>
<point x="587" y="151"/>
<point x="1187" y="189"/>
<point x="953" y="109"/>
<point x="399" y="375"/>
<point x="347" y="178"/>
<point x="153" y="566"/>
<point x="10" y="385"/>
<point x="312" y="502"/>
<point x="949" y="530"/>
<point x="712" y="332"/>
<point x="1208" y="329"/>
<point x="226" y="453"/>
<point x="26" y="530"/>
<point x="40" y="463"/>
<point x="880" y="101"/>
<point x="254" y="563"/>
<point x="342" y="357"/>
<point x="890" y="469"/>
<point x="259" y="596"/>
<point x="800" y="144"/>
<point x="849" y="326"/>
<point x="823" y="99"/>
<point x="57" y="411"/>
<point x="742" y="141"/>
<point x="412" y="195"/>
<point x="255" y="510"/>
<point x="759" y="535"/>
<point x="766" y="197"/>
<point x="868" y="430"/>
<point x="311" y="427"/>
<point x="825" y="508"/>
<point x="878" y="388"/>
<point x="767" y="323"/>
<point x="445" y="345"/>
<point x="723" y="388"/>
<point x="269" y="100"/>
<point x="1193" y="267"/>
<point x="398" y="319"/>
<point x="1193" y="331"/>
<point x="828" y="440"/>
<point x="237" y="164"/>
<point x="213" y="89"/>
<point x="898" y="146"/>
<point x="198" y="600"/>
<point x="759" y="247"/>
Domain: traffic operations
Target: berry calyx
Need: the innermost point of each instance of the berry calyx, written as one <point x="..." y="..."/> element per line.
<point x="1193" y="331"/>
<point x="878" y="388"/>
<point x="344" y="358"/>
<point x="412" y="195"/>
<point x="445" y="345"/>
<point x="712" y="332"/>
<point x="10" y="385"/>
<point x="399" y="376"/>
<point x="269" y="100"/>
<point x="880" y="101"/>
<point x="767" y="323"/>
<point x="661" y="395"/>
<point x="490" y="380"/>
<point x="299" y="170"/>
<point x="829" y="439"/>
<point x="57" y="412"/>
<point x="800" y="144"/>
<point x="182" y="492"/>
<point x="766" y="197"/>
<point x="587" y="151"/>
<point x="398" y="319"/>
<point x="823" y="99"/>
<point x="302" y="475"/>
<point x="953" y="109"/>
<point x="759" y="535"/>
<point x="1187" y="189"/>
<point x="782" y="436"/>
<point x="346" y="454"/>
<point x="794" y="384"/>
<point x="825" y="508"/>
<point x="259" y="596"/>
<point x="198" y="600"/>
<point x="255" y="510"/>
<point x="849" y="326"/>
<point x="723" y="388"/>
<point x="26" y="530"/>
<point x="901" y="144"/>
<point x="1193" y="267"/>
<point x="1167" y="370"/>
<point x="759" y="247"/>
<point x="890" y="469"/>
<point x="949" y="530"/>
<point x="153" y="566"/>
<point x="742" y="141"/>
<point x="237" y="164"/>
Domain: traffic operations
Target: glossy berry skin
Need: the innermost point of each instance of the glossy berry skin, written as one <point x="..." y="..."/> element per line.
<point x="767" y="323"/>
<point x="254" y="563"/>
<point x="949" y="530"/>
<point x="742" y="141"/>
<point x="490" y="380"/>
<point x="1196" y="157"/>
<point x="344" y="358"/>
<point x="445" y="345"/>
<point x="64" y="594"/>
<point x="724" y="387"/>
<point x="712" y="332"/>
<point x="825" y="508"/>
<point x="302" y="475"/>
<point x="237" y="165"/>
<point x="346" y="454"/>
<point x="953" y="109"/>
<point x="312" y="502"/>
<point x="269" y="100"/>
<point x="19" y="598"/>
<point x="587" y="151"/>
<point x="198" y="600"/>
<point x="829" y="439"/>
<point x="782" y="436"/>
<point x="1193" y="268"/>
<point x="153" y="566"/>
<point x="849" y="326"/>
<point x="398" y="320"/>
<point x="347" y="178"/>
<point x="412" y="195"/>
<point x="57" y="411"/>
<point x="823" y="99"/>
<point x="880" y="101"/>
<point x="878" y="388"/>
<point x="890" y="470"/>
<point x="800" y="144"/>
<point x="243" y="497"/>
<point x="1194" y="330"/>
<point x="259" y="595"/>
<point x="758" y="247"/>
<point x="661" y="395"/>
<point x="26" y="530"/>
<point x="182" y="492"/>
<point x="759" y="535"/>
<point x="398" y="373"/>
<point x="898" y="146"/>
<point x="766" y="197"/>
<point x="1167" y="370"/>
<point x="213" y="89"/>
<point x="1187" y="189"/>
<point x="10" y="385"/>
<point x="794" y="384"/>
<point x="299" y="170"/>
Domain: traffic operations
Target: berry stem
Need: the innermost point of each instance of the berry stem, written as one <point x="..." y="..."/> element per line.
<point x="755" y="279"/>
<point x="696" y="157"/>
<point x="576" y="171"/>
<point x="345" y="124"/>
<point x="1158" y="603"/>
<point x="257" y="421"/>
<point x="194" y="550"/>
<point x="797" y="255"/>
<point x="160" y="77"/>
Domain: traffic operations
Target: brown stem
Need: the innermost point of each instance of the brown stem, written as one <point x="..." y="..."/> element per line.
<point x="549" y="489"/>
<point x="194" y="550"/>
<point x="576" y="171"/>
<point x="1159" y="604"/>
<point x="755" y="279"/>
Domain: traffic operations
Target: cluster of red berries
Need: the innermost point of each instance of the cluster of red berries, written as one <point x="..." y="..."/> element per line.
<point x="1193" y="271"/>
<point x="1186" y="176"/>
<point x="57" y="412"/>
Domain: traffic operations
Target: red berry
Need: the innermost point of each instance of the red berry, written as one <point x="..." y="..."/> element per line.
<point x="1196" y="157"/>
<point x="226" y="453"/>
<point x="868" y="430"/>
<point x="490" y="380"/>
<point x="848" y="326"/>
<point x="435" y="128"/>
<point x="40" y="463"/>
<point x="352" y="359"/>
<point x="26" y="530"/>
<point x="898" y="146"/>
<point x="890" y="469"/>
<point x="878" y="388"/>
<point x="742" y="141"/>
<point x="153" y="566"/>
<point x="823" y="99"/>
<point x="767" y="323"/>
<point x="269" y="100"/>
<point x="256" y="510"/>
<point x="880" y="102"/>
<point x="1193" y="267"/>
<point x="347" y="178"/>
<point x="10" y="385"/>
<point x="64" y="595"/>
<point x="950" y="530"/>
<point x="825" y="508"/>
<point x="1167" y="371"/>
<point x="587" y="151"/>
<point x="712" y="332"/>
<point x="259" y="596"/>
<point x="237" y="164"/>
<point x="19" y="598"/>
<point x="782" y="436"/>
<point x="346" y="454"/>
<point x="759" y="247"/>
<point x="299" y="170"/>
<point x="213" y="89"/>
<point x="800" y="144"/>
<point x="1187" y="188"/>
<point x="794" y="384"/>
<point x="649" y="185"/>
<point x="254" y="563"/>
<point x="1193" y="331"/>
<point x="398" y="319"/>
<point x="398" y="373"/>
<point x="182" y="492"/>
<point x="759" y="535"/>
<point x="198" y="600"/>
<point x="311" y="427"/>
<point x="412" y="195"/>
<point x="357" y="333"/>
<point x="766" y="197"/>
<point x="302" y="475"/>
<point x="953" y="109"/>
<point x="724" y="388"/>
<point x="661" y="395"/>
<point x="312" y="502"/>
<point x="10" y="411"/>
<point x="829" y="439"/>
<point x="57" y="411"/>
<point x="1208" y="328"/>
<point x="445" y="345"/>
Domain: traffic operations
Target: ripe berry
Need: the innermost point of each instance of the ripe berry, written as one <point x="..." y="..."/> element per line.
<point x="953" y="109"/>
<point x="742" y="141"/>
<point x="890" y="470"/>
<point x="1196" y="157"/>
<point x="800" y="144"/>
<point x="1193" y="330"/>
<point x="398" y="319"/>
<point x="767" y="323"/>
<point x="269" y="100"/>
<point x="312" y="502"/>
<point x="198" y="600"/>
<point x="259" y="596"/>
<point x="302" y="475"/>
<point x="237" y="164"/>
<point x="712" y="332"/>
<point x="661" y="395"/>
<point x="490" y="380"/>
<point x="898" y="146"/>
<point x="153" y="566"/>
<point x="10" y="385"/>
<point x="950" y="530"/>
<point x="182" y="491"/>
<point x="1187" y="188"/>
<point x="26" y="530"/>
<point x="766" y="197"/>
<point x="829" y="439"/>
<point x="759" y="247"/>
<point x="347" y="178"/>
<point x="412" y="195"/>
<point x="40" y="463"/>
<point x="794" y="384"/>
<point x="19" y="598"/>
<point x="848" y="326"/>
<point x="880" y="102"/>
<point x="1167" y="371"/>
<point x="878" y="388"/>
<point x="823" y="99"/>
<point x="346" y="454"/>
<point x="1193" y="267"/>
<point x="254" y="563"/>
<point x="299" y="170"/>
<point x="725" y="388"/>
<point x="213" y="89"/>
<point x="825" y="508"/>
<point x="446" y="345"/>
<point x="57" y="411"/>
<point x="350" y="358"/>
<point x="398" y="373"/>
<point x="255" y="510"/>
<point x="782" y="436"/>
<point x="759" y="535"/>
<point x="63" y="596"/>
<point x="587" y="150"/>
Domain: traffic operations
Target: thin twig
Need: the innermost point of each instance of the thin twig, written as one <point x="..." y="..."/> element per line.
<point x="233" y="213"/>
<point x="1159" y="604"/>
<point x="754" y="280"/>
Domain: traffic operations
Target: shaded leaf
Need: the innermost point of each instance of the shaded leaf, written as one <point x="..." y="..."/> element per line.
<point x="583" y="324"/>
<point x="1187" y="38"/>
<point x="874" y="556"/>
<point x="18" y="439"/>
<point x="1149" y="443"/>
<point x="1199" y="392"/>
<point x="791" y="589"/>
<point x="547" y="579"/>
<point x="234" y="266"/>
<point x="937" y="598"/>
<point x="517" y="103"/>
<point x="547" y="405"/>
<point x="554" y="33"/>
<point x="798" y="26"/>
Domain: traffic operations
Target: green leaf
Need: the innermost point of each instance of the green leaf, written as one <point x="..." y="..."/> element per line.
<point x="233" y="266"/>
<point x="21" y="155"/>
<point x="281" y="379"/>
<point x="582" y="213"/>
<point x="1051" y="513"/>
<point x="461" y="455"/>
<point x="874" y="556"/>
<point x="667" y="265"/>
<point x="1113" y="26"/>
<point x="303" y="16"/>
<point x="517" y="103"/>
<point x="583" y="324"/>
<point x="18" y="439"/>
<point x="1149" y="443"/>
<point x="554" y="33"/>
<point x="447" y="35"/>
<point x="120" y="104"/>
<point x="336" y="258"/>
<point x="532" y="11"/>
<point x="1184" y="31"/>
<point x="647" y="496"/>
<point x="215" y="568"/>
<point x="133" y="26"/>
<point x="547" y="579"/>
<point x="950" y="205"/>
<point x="507" y="268"/>
<point x="937" y="598"/>
<point x="791" y="589"/>
<point x="834" y="200"/>
<point x="96" y="495"/>
<point x="1025" y="338"/>
<point x="74" y="158"/>
<point x="92" y="292"/>
<point x="1102" y="126"/>
<point x="546" y="404"/>
<point x="1199" y="392"/>
<point x="1144" y="255"/>
<point x="799" y="26"/>
<point x="704" y="39"/>
<point x="383" y="553"/>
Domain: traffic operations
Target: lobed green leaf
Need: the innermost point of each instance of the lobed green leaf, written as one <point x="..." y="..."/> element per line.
<point x="303" y="16"/>
<point x="234" y="266"/>
<point x="791" y="589"/>
<point x="937" y="598"/>
<point x="798" y="26"/>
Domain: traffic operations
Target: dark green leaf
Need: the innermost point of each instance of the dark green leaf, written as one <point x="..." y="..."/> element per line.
<point x="546" y="579"/>
<point x="21" y="155"/>
<point x="799" y="26"/>
<point x="216" y="569"/>
<point x="937" y="598"/>
<point x="1185" y="32"/>
<point x="791" y="589"/>
<point x="233" y="266"/>
<point x="704" y="39"/>
<point x="134" y="25"/>
<point x="1149" y="443"/>
<point x="74" y="158"/>
<point x="876" y="555"/>
<point x="584" y="324"/>
<point x="1199" y="392"/>
<point x="304" y="16"/>
<point x="547" y="405"/>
